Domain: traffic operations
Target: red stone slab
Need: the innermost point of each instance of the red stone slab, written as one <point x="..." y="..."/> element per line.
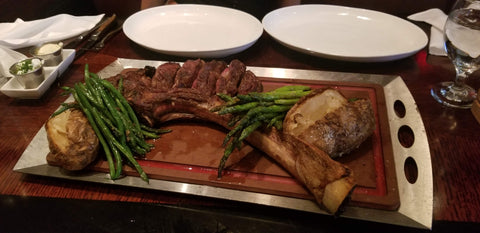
<point x="192" y="151"/>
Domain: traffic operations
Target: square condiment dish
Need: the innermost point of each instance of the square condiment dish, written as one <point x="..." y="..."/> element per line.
<point x="14" y="89"/>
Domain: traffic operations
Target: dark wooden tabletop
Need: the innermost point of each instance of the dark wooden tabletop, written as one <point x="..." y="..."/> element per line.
<point x="453" y="137"/>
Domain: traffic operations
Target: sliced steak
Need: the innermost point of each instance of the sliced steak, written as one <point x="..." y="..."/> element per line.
<point x="249" y="83"/>
<point x="187" y="73"/>
<point x="164" y="77"/>
<point x="230" y="78"/>
<point x="135" y="82"/>
<point x="207" y="77"/>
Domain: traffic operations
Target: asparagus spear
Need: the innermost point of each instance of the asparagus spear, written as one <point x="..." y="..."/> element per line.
<point x="254" y="110"/>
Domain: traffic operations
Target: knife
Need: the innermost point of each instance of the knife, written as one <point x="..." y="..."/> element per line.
<point x="98" y="46"/>
<point x="73" y="43"/>
<point x="95" y="36"/>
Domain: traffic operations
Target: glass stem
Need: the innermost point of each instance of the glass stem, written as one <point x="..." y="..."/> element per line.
<point x="459" y="90"/>
<point x="460" y="79"/>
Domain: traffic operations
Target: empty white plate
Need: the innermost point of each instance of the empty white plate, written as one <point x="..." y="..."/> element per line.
<point x="344" y="33"/>
<point x="191" y="30"/>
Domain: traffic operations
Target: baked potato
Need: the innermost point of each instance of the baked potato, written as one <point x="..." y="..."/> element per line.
<point x="327" y="120"/>
<point x="72" y="142"/>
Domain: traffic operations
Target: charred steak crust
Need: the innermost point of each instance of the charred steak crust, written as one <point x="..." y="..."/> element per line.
<point x="249" y="83"/>
<point x="177" y="91"/>
<point x="208" y="76"/>
<point x="230" y="78"/>
<point x="188" y="73"/>
<point x="164" y="76"/>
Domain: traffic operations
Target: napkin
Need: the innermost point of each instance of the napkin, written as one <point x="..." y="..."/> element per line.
<point x="9" y="57"/>
<point x="20" y="34"/>
<point x="437" y="19"/>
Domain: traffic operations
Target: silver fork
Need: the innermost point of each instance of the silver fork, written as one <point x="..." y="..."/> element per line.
<point x="101" y="43"/>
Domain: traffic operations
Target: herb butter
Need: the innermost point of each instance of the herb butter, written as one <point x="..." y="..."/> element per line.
<point x="27" y="66"/>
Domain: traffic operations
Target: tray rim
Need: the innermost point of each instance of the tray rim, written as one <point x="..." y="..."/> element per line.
<point x="412" y="196"/>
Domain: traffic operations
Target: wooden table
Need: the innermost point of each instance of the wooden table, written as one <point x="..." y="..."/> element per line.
<point x="453" y="137"/>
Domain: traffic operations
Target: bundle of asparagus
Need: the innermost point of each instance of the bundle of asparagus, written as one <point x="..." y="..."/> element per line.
<point x="254" y="110"/>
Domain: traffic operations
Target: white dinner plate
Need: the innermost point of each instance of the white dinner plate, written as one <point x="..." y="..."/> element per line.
<point x="344" y="33"/>
<point x="190" y="30"/>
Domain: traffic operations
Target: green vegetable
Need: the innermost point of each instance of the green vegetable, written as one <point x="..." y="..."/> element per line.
<point x="115" y="123"/>
<point x="274" y="95"/>
<point x="85" y="107"/>
<point x="292" y="88"/>
<point x="238" y="108"/>
<point x="286" y="101"/>
<point x="255" y="110"/>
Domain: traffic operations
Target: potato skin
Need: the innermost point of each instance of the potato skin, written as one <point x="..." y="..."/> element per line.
<point x="342" y="130"/>
<point x="327" y="120"/>
<point x="72" y="142"/>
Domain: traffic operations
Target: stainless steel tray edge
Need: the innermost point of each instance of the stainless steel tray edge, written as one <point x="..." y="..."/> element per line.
<point x="416" y="199"/>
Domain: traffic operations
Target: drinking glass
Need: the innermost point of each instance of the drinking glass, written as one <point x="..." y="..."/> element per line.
<point x="462" y="43"/>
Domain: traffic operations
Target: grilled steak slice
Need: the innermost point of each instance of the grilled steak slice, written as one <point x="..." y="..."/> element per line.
<point x="230" y="78"/>
<point x="207" y="77"/>
<point x="188" y="73"/>
<point x="249" y="83"/>
<point x="135" y="82"/>
<point x="164" y="77"/>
